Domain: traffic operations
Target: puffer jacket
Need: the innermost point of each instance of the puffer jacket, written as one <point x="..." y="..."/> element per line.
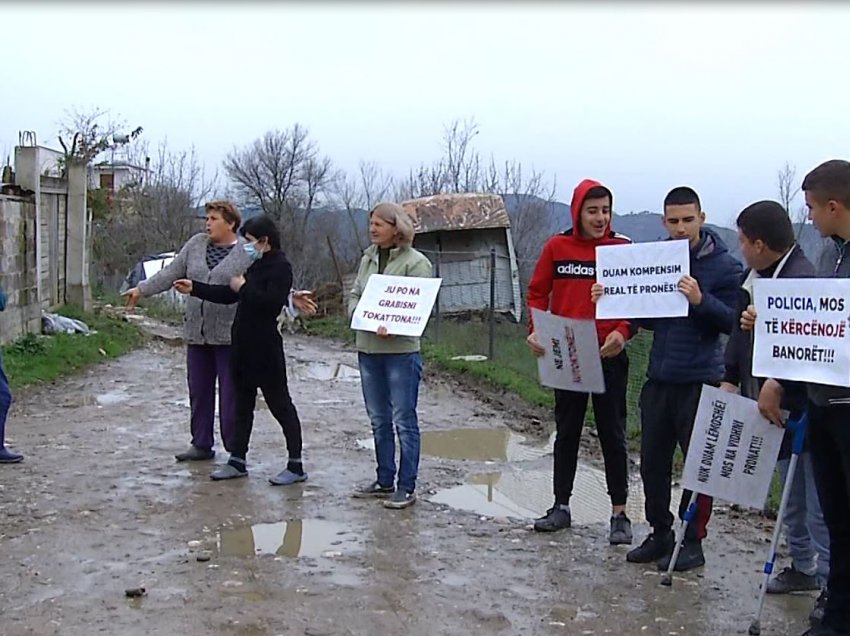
<point x="688" y="349"/>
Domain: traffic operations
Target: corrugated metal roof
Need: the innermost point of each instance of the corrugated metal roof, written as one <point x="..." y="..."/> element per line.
<point x="457" y="212"/>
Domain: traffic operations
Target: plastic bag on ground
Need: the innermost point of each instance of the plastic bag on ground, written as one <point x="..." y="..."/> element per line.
<point x="54" y="323"/>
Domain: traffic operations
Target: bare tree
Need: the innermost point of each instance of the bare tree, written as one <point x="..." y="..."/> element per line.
<point x="529" y="197"/>
<point x="89" y="132"/>
<point x="167" y="205"/>
<point x="360" y="193"/>
<point x="284" y="175"/>
<point x="157" y="215"/>
<point x="462" y="163"/>
<point x="267" y="171"/>
<point x="458" y="169"/>
<point x="786" y="180"/>
<point x="530" y="202"/>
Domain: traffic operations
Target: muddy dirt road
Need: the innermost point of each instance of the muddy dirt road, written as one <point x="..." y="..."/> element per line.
<point x="100" y="506"/>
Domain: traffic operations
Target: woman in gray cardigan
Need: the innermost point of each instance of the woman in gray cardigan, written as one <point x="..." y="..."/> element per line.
<point x="208" y="257"/>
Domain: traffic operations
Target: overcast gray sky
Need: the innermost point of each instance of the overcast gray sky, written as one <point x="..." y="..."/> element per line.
<point x="642" y="97"/>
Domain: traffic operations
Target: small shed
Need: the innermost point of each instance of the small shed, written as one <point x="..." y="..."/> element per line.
<point x="456" y="232"/>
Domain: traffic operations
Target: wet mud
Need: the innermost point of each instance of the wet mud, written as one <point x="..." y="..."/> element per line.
<point x="100" y="507"/>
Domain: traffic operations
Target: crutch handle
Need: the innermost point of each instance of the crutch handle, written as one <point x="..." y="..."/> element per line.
<point x="798" y="428"/>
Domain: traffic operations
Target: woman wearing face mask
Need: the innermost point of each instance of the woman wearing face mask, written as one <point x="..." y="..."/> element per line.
<point x="390" y="366"/>
<point x="213" y="257"/>
<point x="257" y="355"/>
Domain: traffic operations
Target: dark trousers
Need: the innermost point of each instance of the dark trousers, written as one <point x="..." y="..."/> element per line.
<point x="5" y="403"/>
<point x="276" y="394"/>
<point x="667" y="413"/>
<point x="609" y="412"/>
<point x="204" y="365"/>
<point x="829" y="443"/>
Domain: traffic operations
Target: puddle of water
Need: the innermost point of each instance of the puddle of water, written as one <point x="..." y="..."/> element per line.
<point x="112" y="397"/>
<point x="253" y="597"/>
<point x="299" y="538"/>
<point x="526" y="494"/>
<point x="476" y="444"/>
<point x="326" y="372"/>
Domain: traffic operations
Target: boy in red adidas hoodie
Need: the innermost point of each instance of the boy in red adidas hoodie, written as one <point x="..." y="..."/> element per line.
<point x="563" y="276"/>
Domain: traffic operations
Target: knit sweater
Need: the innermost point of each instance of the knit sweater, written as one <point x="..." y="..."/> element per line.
<point x="205" y="322"/>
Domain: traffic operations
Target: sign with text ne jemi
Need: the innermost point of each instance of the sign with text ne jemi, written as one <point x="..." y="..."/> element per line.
<point x="571" y="361"/>
<point x="733" y="449"/>
<point x="402" y="304"/>
<point x="802" y="329"/>
<point x="642" y="280"/>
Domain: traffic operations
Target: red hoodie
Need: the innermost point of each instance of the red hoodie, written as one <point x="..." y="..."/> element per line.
<point x="566" y="270"/>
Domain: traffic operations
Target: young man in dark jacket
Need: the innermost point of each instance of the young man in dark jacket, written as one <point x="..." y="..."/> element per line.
<point x="766" y="236"/>
<point x="561" y="284"/>
<point x="686" y="353"/>
<point x="827" y="190"/>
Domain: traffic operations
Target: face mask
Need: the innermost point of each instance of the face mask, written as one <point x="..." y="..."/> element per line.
<point x="252" y="251"/>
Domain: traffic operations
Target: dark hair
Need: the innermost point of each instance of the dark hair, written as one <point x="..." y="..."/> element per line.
<point x="598" y="192"/>
<point x="830" y="181"/>
<point x="767" y="221"/>
<point x="262" y="226"/>
<point x="682" y="195"/>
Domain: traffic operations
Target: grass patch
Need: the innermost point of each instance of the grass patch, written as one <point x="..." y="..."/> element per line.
<point x="35" y="358"/>
<point x="334" y="327"/>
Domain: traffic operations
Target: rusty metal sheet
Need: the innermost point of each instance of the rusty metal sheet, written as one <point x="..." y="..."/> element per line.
<point x="447" y="212"/>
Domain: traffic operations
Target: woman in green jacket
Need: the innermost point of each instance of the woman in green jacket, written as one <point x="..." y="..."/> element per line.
<point x="390" y="366"/>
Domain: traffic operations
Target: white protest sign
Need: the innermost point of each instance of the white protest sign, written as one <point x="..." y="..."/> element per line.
<point x="402" y="304"/>
<point x="733" y="449"/>
<point x="802" y="330"/>
<point x="642" y="280"/>
<point x="571" y="361"/>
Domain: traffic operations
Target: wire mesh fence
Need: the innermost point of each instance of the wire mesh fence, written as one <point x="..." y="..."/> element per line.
<point x="480" y="315"/>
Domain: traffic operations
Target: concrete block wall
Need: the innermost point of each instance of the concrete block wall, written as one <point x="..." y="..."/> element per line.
<point x="18" y="271"/>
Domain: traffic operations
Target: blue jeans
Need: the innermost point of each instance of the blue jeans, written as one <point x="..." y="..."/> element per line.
<point x="805" y="529"/>
<point x="5" y="403"/>
<point x="390" y="383"/>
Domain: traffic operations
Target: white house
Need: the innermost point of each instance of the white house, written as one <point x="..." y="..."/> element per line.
<point x="114" y="175"/>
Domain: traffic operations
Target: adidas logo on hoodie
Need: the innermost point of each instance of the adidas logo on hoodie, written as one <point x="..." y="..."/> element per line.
<point x="575" y="269"/>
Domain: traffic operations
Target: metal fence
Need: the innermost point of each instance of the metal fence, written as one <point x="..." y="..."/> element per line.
<point x="495" y="330"/>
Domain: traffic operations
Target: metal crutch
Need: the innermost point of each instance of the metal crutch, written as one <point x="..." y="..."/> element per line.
<point x="689" y="515"/>
<point x="798" y="427"/>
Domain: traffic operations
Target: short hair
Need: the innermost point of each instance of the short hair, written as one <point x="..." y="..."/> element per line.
<point x="395" y="215"/>
<point x="262" y="227"/>
<point x="767" y="221"/>
<point x="228" y="212"/>
<point x="682" y="195"/>
<point x="830" y="181"/>
<point x="599" y="192"/>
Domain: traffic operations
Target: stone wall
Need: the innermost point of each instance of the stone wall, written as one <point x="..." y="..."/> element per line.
<point x="18" y="271"/>
<point x="44" y="240"/>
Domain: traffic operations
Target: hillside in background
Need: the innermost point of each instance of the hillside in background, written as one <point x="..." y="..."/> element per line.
<point x="643" y="227"/>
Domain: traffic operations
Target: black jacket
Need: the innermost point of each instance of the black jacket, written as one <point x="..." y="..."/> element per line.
<point x="739" y="350"/>
<point x="256" y="351"/>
